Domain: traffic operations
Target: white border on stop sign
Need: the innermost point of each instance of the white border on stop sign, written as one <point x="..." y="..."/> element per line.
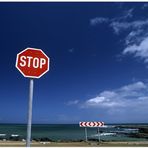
<point x="32" y="49"/>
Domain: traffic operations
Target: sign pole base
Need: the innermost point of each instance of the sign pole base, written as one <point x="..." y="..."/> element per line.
<point x="86" y="134"/>
<point x="98" y="135"/>
<point x="29" y="113"/>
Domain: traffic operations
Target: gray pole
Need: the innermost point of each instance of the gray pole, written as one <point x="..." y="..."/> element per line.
<point x="86" y="134"/>
<point x="98" y="135"/>
<point x="29" y="113"/>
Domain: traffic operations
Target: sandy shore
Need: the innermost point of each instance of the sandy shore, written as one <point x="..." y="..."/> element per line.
<point x="73" y="144"/>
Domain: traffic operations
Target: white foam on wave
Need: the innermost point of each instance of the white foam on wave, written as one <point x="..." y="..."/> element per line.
<point x="107" y="134"/>
<point x="107" y="126"/>
<point x="103" y="134"/>
<point x="131" y="129"/>
<point x="13" y="135"/>
<point x="2" y="134"/>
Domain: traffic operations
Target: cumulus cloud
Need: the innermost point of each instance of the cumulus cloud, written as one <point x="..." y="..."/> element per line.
<point x="134" y="87"/>
<point x="105" y="102"/>
<point x="121" y="97"/>
<point x="125" y="104"/>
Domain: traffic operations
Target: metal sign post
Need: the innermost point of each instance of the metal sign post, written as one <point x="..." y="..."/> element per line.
<point x="98" y="135"/>
<point x="29" y="113"/>
<point x="86" y="134"/>
<point x="91" y="124"/>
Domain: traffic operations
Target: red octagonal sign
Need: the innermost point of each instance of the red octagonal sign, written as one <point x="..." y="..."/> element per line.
<point x="32" y="62"/>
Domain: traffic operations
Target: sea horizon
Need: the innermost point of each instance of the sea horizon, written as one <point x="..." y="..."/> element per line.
<point x="124" y="123"/>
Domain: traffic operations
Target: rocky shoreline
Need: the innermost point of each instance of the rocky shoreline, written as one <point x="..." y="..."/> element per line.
<point x="142" y="131"/>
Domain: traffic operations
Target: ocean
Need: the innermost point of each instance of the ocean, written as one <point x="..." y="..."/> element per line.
<point x="56" y="132"/>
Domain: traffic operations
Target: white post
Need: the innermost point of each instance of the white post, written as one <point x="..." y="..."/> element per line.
<point x="29" y="113"/>
<point x="86" y="134"/>
<point x="98" y="135"/>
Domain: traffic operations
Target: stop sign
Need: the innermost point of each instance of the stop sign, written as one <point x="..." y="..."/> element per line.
<point x="32" y="62"/>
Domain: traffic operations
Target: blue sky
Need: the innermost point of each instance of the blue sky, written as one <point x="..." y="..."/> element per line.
<point x="99" y="62"/>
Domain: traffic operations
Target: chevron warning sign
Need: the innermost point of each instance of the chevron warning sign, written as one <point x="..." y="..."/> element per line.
<point x="91" y="124"/>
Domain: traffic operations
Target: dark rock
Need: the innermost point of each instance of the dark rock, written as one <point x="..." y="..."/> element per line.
<point x="138" y="135"/>
<point x="17" y="138"/>
<point x="143" y="130"/>
<point x="45" y="139"/>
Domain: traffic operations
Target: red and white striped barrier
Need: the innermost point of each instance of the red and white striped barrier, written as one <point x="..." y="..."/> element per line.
<point x="91" y="124"/>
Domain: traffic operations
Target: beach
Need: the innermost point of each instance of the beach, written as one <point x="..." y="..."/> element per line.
<point x="74" y="144"/>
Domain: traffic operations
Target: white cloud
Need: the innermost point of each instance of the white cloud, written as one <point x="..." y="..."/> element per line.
<point x="136" y="40"/>
<point x="134" y="87"/>
<point x="108" y="94"/>
<point x="135" y="36"/>
<point x="96" y="100"/>
<point x="125" y="104"/>
<point x="98" y="20"/>
<point x="101" y="102"/>
<point x="140" y="50"/>
<point x="119" y="26"/>
<point x="121" y="97"/>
